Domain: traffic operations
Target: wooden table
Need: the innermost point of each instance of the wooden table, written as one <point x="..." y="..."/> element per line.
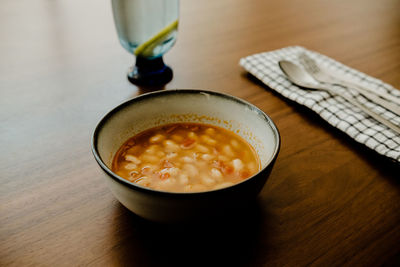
<point x="329" y="201"/>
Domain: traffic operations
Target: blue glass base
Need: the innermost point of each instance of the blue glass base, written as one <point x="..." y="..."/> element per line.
<point x="150" y="72"/>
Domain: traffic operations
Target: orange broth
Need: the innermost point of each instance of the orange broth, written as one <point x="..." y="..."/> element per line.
<point x="186" y="157"/>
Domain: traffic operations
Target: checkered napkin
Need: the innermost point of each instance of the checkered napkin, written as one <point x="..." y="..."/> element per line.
<point x="334" y="109"/>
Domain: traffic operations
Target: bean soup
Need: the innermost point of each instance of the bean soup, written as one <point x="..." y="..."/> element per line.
<point x="186" y="157"/>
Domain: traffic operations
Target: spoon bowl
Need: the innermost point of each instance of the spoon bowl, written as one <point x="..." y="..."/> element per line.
<point x="297" y="75"/>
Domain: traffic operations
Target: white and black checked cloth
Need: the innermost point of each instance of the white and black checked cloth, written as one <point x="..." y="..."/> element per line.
<point x="332" y="108"/>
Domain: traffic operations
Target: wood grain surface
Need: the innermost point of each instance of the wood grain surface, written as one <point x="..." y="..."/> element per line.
<point x="329" y="201"/>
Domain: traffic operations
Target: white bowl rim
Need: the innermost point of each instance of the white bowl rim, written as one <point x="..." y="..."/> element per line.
<point x="145" y="96"/>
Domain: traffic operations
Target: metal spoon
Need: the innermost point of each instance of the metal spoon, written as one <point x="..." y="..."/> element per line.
<point x="300" y="77"/>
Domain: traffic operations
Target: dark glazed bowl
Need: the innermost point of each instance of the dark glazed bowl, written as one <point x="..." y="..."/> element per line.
<point x="170" y="106"/>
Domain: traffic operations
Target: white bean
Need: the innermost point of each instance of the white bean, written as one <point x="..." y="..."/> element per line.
<point x="130" y="166"/>
<point x="208" y="140"/>
<point x="168" y="172"/>
<point x="228" y="151"/>
<point x="183" y="179"/>
<point x="153" y="149"/>
<point x="223" y="158"/>
<point x="133" y="159"/>
<point x="207" y="157"/>
<point x="201" y="148"/>
<point x="192" y="135"/>
<point x="149" y="158"/>
<point x="215" y="173"/>
<point x="171" y="155"/>
<point x="207" y="180"/>
<point x="210" y="131"/>
<point x="157" y="138"/>
<point x="187" y="159"/>
<point x="168" y="182"/>
<point x="191" y="170"/>
<point x="173" y="171"/>
<point x="237" y="164"/>
<point x="235" y="144"/>
<point x="170" y="146"/>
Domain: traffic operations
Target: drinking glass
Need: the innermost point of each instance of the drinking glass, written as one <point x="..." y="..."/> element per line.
<point x="147" y="29"/>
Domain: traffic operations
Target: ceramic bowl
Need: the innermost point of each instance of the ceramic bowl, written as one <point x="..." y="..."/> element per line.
<point x="172" y="106"/>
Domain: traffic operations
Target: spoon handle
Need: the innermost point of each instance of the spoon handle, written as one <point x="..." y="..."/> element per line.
<point x="391" y="106"/>
<point x="388" y="105"/>
<point x="366" y="110"/>
<point x="364" y="90"/>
